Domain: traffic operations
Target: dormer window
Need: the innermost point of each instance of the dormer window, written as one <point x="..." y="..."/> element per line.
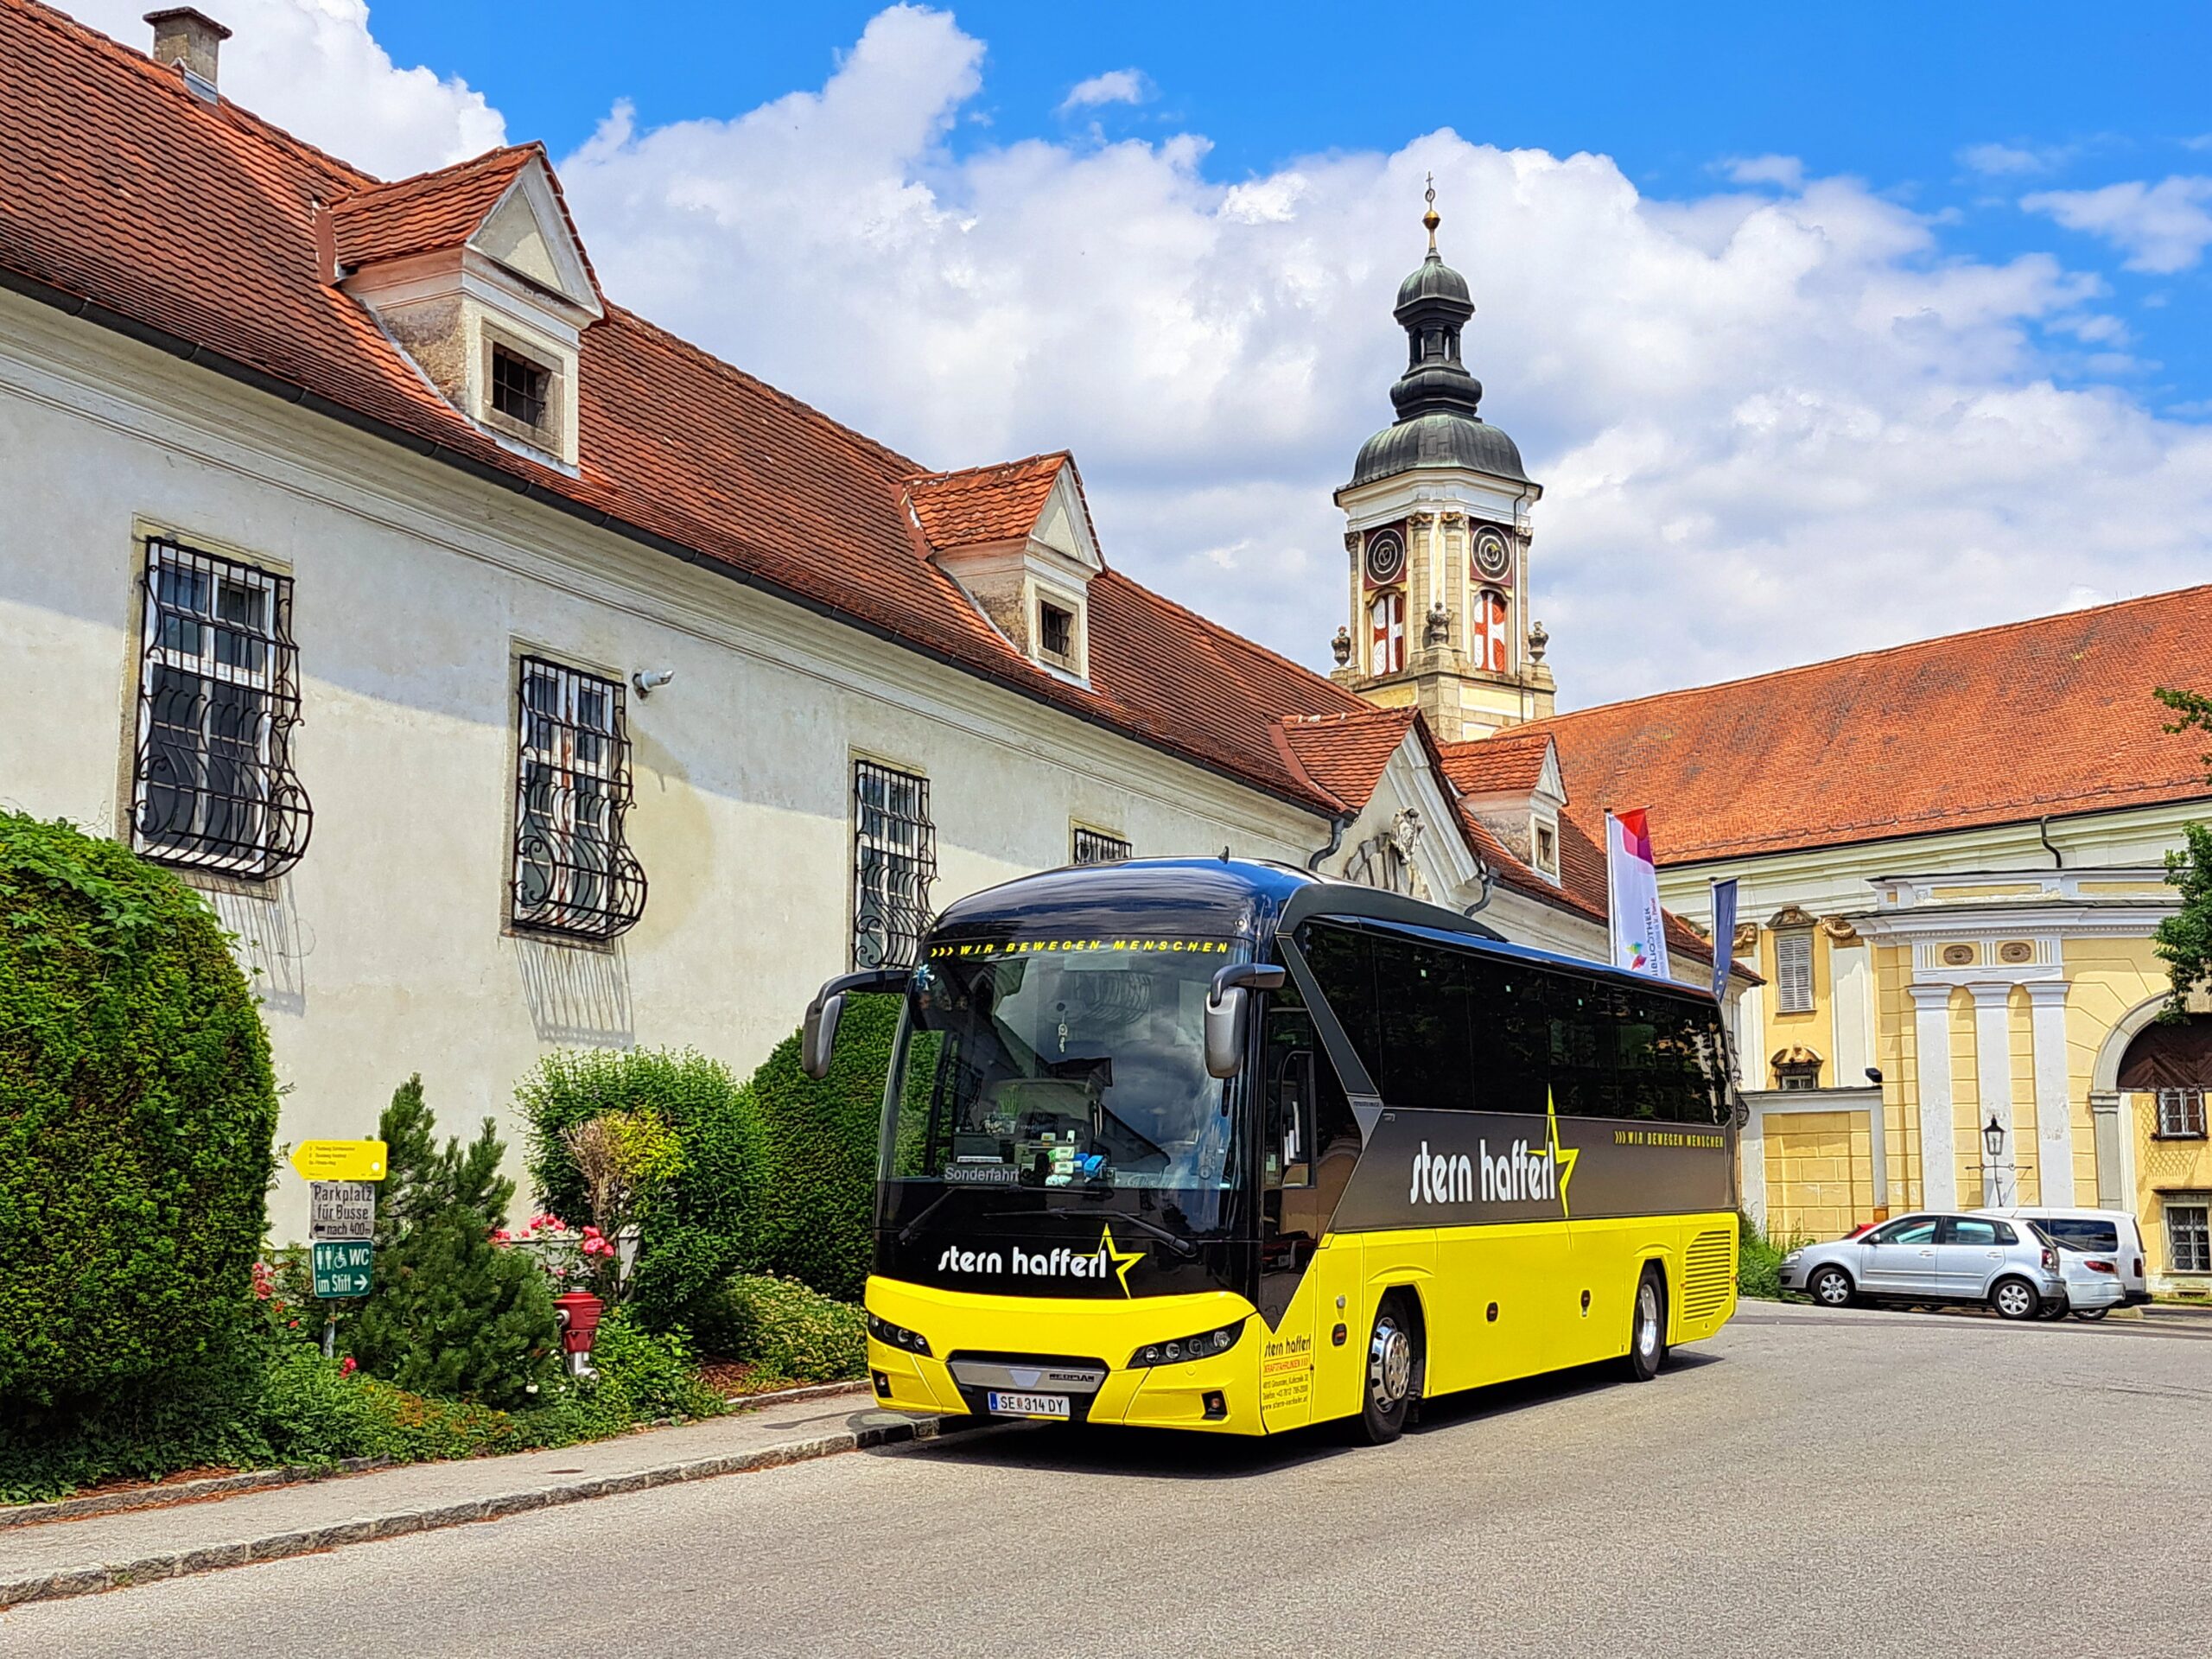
<point x="518" y="387"/>
<point x="1546" y="849"/>
<point x="522" y="391"/>
<point x="1055" y="629"/>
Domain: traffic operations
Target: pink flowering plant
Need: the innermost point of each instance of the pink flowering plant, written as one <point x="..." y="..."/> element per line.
<point x="571" y="1258"/>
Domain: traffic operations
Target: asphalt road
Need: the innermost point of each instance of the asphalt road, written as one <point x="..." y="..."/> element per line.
<point x="1860" y="1484"/>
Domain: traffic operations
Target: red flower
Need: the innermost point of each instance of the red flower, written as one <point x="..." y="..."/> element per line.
<point x="346" y="1366"/>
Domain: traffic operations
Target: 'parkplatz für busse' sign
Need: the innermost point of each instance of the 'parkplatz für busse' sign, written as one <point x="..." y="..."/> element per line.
<point x="341" y="1211"/>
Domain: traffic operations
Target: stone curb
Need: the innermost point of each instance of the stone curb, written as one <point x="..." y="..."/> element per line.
<point x="784" y="1396"/>
<point x="182" y="1491"/>
<point x="149" y="1569"/>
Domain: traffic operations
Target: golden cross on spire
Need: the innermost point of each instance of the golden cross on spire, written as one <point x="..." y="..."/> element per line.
<point x="1431" y="218"/>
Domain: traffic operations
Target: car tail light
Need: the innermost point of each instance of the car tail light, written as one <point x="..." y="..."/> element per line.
<point x="2051" y="1260"/>
<point x="2101" y="1267"/>
<point x="2139" y="1267"/>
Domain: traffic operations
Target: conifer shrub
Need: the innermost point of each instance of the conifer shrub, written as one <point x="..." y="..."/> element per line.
<point x="819" y="1211"/>
<point x="450" y="1314"/>
<point x="703" y="1224"/>
<point x="137" y="1112"/>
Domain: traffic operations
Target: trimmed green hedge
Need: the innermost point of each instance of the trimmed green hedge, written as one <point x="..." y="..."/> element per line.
<point x="137" y="1111"/>
<point x="785" y="1330"/>
<point x="819" y="1211"/>
<point x="708" y="1225"/>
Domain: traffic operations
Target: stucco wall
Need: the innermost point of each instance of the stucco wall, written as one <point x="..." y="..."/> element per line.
<point x="383" y="952"/>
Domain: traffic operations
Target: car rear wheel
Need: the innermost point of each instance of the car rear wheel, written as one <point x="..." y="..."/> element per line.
<point x="2015" y="1299"/>
<point x="1831" y="1287"/>
<point x="1393" y="1362"/>
<point x="2091" y="1315"/>
<point x="2051" y="1310"/>
<point x="1647" y="1328"/>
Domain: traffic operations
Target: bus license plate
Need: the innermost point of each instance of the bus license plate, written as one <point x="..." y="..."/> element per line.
<point x="1027" y="1405"/>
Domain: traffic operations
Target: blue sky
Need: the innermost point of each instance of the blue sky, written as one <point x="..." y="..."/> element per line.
<point x="1895" y="94"/>
<point x="1824" y="327"/>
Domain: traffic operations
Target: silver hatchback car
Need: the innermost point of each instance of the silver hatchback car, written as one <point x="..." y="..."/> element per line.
<point x="1935" y="1258"/>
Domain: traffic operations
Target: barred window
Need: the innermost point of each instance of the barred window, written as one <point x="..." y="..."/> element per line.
<point x="895" y="860"/>
<point x="1097" y="847"/>
<point x="2181" y="1114"/>
<point x="218" y="695"/>
<point x="573" y="872"/>
<point x="518" y="386"/>
<point x="2189" y="1233"/>
<point x="1793" y="970"/>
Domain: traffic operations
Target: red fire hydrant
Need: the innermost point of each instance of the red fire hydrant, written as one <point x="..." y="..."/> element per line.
<point x="577" y="1312"/>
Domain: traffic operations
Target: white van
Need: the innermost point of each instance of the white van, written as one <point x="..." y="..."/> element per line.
<point x="2110" y="1233"/>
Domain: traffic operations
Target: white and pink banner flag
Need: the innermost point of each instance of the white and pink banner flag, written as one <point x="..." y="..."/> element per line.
<point x="1632" y="895"/>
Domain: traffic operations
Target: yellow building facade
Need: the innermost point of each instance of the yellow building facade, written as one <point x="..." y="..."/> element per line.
<point x="1957" y="1037"/>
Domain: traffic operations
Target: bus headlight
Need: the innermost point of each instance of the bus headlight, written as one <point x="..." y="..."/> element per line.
<point x="1204" y="1345"/>
<point x="898" y="1336"/>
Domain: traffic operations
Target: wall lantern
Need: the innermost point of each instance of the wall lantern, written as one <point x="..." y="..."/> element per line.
<point x="1992" y="1138"/>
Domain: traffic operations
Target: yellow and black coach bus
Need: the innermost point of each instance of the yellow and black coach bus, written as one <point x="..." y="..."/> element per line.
<point x="1220" y="1145"/>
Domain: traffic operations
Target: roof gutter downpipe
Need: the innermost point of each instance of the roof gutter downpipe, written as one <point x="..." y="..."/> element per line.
<point x="1338" y="825"/>
<point x="2043" y="833"/>
<point x="1489" y="880"/>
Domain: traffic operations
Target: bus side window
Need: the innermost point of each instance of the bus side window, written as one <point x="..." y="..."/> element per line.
<point x="1422" y="997"/>
<point x="1508" y="1037"/>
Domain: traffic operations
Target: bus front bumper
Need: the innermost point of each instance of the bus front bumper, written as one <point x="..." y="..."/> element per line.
<point x="1077" y="1349"/>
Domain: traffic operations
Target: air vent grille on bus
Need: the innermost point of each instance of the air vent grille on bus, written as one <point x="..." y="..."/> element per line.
<point x="1705" y="1276"/>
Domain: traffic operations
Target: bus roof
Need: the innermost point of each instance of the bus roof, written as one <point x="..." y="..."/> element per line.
<point x="1249" y="900"/>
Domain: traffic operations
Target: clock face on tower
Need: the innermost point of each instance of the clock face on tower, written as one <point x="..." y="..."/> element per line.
<point x="1386" y="557"/>
<point x="1493" y="554"/>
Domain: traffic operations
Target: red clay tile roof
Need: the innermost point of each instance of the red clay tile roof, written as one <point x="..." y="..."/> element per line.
<point x="981" y="505"/>
<point x="120" y="188"/>
<point x="1911" y="741"/>
<point x="430" y="211"/>
<point x="1345" y="754"/>
<point x="1511" y="761"/>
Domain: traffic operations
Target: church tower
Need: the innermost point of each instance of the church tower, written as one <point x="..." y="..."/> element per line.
<point x="1437" y="536"/>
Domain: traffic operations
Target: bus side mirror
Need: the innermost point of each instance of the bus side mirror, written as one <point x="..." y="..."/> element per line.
<point x="818" y="1040"/>
<point x="1229" y="1013"/>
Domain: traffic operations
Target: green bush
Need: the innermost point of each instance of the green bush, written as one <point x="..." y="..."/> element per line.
<point x="819" y="1213"/>
<point x="785" y="1330"/>
<point x="652" y="1371"/>
<point x="450" y="1314"/>
<point x="706" y="1224"/>
<point x="136" y="1116"/>
<point x="1759" y="1262"/>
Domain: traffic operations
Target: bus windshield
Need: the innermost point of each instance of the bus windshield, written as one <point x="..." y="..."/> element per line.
<point x="1077" y="1066"/>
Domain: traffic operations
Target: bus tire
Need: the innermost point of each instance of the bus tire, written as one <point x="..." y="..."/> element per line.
<point x="1647" y="1326"/>
<point x="1393" y="1361"/>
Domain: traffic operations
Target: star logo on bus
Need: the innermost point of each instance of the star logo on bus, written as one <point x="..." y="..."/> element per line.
<point x="1123" y="1260"/>
<point x="1563" y="1157"/>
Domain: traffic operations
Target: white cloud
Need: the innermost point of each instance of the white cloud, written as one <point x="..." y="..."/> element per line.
<point x="1785" y="170"/>
<point x="313" y="68"/>
<point x="2162" y="227"/>
<point x="1771" y="427"/>
<point x="2004" y="159"/>
<point x="1115" y="86"/>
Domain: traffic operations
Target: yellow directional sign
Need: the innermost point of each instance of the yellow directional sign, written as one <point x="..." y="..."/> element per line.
<point x="340" y="1160"/>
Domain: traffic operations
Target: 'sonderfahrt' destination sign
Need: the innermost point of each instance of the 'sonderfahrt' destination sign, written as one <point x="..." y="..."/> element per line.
<point x="341" y="1211"/>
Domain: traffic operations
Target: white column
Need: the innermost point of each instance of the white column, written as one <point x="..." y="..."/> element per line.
<point x="1751" y="1165"/>
<point x="1939" y="1158"/>
<point x="2054" y="1112"/>
<point x="1993" y="1051"/>
<point x="1851" y="1014"/>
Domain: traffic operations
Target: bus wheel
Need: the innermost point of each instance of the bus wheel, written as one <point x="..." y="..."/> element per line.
<point x="1647" y="1329"/>
<point x="1393" y="1361"/>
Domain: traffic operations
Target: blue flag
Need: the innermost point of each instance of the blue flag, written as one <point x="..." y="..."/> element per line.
<point x="1724" y="936"/>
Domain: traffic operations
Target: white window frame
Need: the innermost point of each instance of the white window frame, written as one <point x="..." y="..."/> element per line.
<point x="2181" y="1114"/>
<point x="1793" y="980"/>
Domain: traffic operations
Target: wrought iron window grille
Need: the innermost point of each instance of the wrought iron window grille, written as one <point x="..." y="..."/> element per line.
<point x="212" y="786"/>
<point x="895" y="860"/>
<point x="2181" y="1114"/>
<point x="573" y="872"/>
<point x="1097" y="847"/>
